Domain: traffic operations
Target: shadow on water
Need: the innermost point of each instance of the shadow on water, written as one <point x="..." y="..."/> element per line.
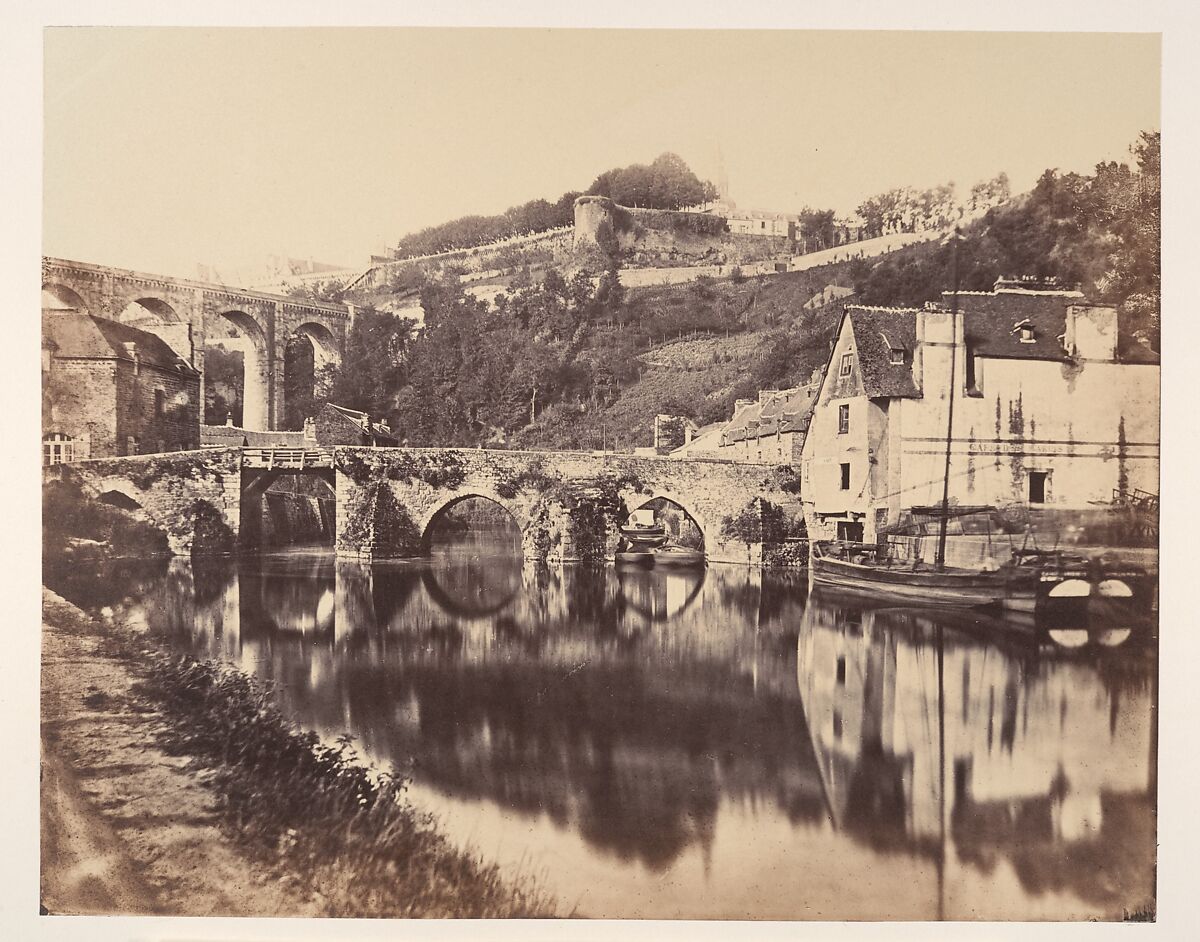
<point x="640" y="713"/>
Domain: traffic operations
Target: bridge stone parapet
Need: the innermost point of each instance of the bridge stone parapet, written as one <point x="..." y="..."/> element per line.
<point x="568" y="505"/>
<point x="194" y="497"/>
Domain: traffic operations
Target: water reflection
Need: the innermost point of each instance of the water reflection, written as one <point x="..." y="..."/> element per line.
<point x="711" y="742"/>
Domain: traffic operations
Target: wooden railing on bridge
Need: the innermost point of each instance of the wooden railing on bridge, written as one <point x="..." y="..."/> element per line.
<point x="290" y="458"/>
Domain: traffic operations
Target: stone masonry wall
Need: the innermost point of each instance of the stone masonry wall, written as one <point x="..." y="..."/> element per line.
<point x="568" y="505"/>
<point x="80" y="400"/>
<point x="650" y="237"/>
<point x="176" y="428"/>
<point x="193" y="497"/>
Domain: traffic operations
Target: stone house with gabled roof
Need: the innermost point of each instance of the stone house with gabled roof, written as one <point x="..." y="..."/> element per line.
<point x="1053" y="407"/>
<point x="770" y="430"/>
<point x="109" y="389"/>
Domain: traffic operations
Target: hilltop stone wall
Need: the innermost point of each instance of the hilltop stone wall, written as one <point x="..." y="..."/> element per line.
<point x="653" y="237"/>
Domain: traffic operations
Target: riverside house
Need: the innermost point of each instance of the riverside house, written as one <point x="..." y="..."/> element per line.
<point x="1053" y="407"/>
<point x="110" y="389"/>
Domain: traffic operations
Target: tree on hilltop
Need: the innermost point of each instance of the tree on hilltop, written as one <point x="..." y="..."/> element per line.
<point x="667" y="183"/>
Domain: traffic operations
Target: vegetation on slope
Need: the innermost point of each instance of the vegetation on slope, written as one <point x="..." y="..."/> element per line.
<point x="583" y="362"/>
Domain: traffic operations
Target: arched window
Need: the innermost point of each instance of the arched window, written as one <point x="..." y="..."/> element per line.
<point x="57" y="448"/>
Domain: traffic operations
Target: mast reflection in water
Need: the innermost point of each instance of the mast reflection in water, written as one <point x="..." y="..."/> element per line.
<point x="708" y="743"/>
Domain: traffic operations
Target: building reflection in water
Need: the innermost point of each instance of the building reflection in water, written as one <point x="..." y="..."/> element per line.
<point x="643" y="712"/>
<point x="977" y="754"/>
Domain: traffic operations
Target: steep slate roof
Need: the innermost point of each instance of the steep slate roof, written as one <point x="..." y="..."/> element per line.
<point x="992" y="318"/>
<point x="707" y="438"/>
<point x="744" y="423"/>
<point x="877" y="331"/>
<point x="991" y="321"/>
<point x="787" y="410"/>
<point x="91" y="337"/>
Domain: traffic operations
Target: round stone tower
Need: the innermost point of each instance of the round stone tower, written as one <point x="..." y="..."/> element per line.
<point x="594" y="223"/>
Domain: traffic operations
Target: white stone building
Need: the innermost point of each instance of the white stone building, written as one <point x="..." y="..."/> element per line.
<point x="1053" y="407"/>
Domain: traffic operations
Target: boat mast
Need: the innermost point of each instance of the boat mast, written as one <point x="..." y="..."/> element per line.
<point x="940" y="561"/>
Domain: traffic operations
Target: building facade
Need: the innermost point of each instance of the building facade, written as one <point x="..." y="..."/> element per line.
<point x="109" y="389"/>
<point x="1052" y="407"/>
<point x="772" y="429"/>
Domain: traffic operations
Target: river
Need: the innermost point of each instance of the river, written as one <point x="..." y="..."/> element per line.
<point x="717" y="743"/>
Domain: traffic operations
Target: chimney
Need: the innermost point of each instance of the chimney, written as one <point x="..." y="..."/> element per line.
<point x="131" y="348"/>
<point x="229" y="420"/>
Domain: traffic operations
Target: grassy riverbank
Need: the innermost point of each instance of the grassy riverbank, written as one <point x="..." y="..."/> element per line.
<point x="201" y="798"/>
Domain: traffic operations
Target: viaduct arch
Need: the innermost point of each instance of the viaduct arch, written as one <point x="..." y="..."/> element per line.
<point x="186" y="314"/>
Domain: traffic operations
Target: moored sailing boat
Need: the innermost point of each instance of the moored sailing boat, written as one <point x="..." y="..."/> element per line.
<point x="1023" y="582"/>
<point x="1019" y="585"/>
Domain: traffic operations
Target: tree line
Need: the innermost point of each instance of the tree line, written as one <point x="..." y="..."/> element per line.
<point x="1101" y="231"/>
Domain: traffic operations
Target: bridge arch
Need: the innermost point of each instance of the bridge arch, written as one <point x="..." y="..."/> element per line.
<point x="519" y="516"/>
<point x="636" y="501"/>
<point x="248" y="336"/>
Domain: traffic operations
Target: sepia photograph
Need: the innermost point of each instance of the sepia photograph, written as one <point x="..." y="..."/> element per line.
<point x="625" y="474"/>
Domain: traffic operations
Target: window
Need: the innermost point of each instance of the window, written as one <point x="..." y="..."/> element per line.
<point x="844" y="418"/>
<point x="1037" y="486"/>
<point x="897" y="355"/>
<point x="57" y="448"/>
<point x="850" y="530"/>
<point x="160" y="402"/>
<point x="847" y="359"/>
<point x="841" y="672"/>
<point x="845" y="477"/>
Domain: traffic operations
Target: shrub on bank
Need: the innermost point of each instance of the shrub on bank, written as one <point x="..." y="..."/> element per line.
<point x="314" y="814"/>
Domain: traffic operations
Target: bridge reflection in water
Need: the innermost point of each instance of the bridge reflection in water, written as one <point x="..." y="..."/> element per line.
<point x="710" y="743"/>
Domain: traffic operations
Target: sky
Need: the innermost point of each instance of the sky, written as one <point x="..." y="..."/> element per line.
<point x="169" y="147"/>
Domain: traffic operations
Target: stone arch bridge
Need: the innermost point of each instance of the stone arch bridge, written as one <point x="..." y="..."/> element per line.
<point x="568" y="505"/>
<point x="186" y="314"/>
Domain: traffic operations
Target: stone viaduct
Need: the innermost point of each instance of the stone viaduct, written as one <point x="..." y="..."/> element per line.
<point x="187" y="314"/>
<point x="568" y="505"/>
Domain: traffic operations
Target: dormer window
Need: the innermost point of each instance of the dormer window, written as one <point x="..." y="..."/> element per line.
<point x="898" y="355"/>
<point x="1024" y="331"/>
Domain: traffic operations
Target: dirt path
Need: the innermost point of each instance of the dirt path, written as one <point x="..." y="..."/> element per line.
<point x="127" y="828"/>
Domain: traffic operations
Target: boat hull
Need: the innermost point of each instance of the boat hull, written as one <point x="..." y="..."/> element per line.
<point x="644" y="560"/>
<point x="678" y="559"/>
<point x="954" y="588"/>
